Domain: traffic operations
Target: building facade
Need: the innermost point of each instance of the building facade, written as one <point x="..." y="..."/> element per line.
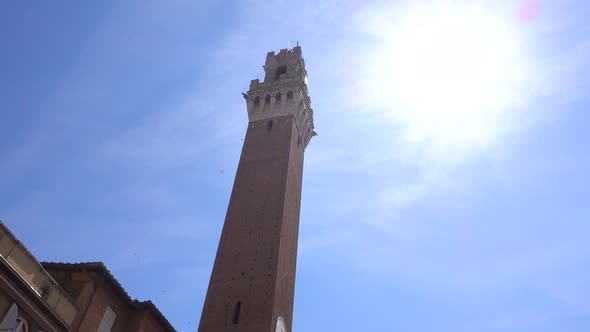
<point x="104" y="304"/>
<point x="253" y="279"/>
<point x="30" y="299"/>
<point x="56" y="297"/>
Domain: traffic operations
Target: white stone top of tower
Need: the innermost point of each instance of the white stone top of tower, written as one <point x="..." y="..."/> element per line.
<point x="283" y="92"/>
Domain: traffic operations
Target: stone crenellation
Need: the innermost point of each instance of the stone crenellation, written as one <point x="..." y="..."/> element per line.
<point x="283" y="92"/>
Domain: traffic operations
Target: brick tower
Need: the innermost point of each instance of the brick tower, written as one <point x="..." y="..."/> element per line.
<point x="253" y="280"/>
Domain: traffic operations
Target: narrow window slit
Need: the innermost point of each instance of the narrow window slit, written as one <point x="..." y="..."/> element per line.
<point x="237" y="312"/>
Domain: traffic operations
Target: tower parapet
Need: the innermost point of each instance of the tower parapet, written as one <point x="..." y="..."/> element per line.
<point x="283" y="92"/>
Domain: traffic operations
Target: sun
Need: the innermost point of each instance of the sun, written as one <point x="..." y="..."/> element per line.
<point x="447" y="71"/>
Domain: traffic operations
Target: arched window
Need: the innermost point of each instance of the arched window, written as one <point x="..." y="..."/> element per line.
<point x="267" y="99"/>
<point x="256" y="102"/>
<point x="237" y="312"/>
<point x="19" y="325"/>
<point x="289" y="95"/>
<point x="278" y="97"/>
<point x="280" y="70"/>
<point x="269" y="125"/>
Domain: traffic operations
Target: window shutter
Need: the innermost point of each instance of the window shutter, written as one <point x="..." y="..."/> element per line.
<point x="107" y="320"/>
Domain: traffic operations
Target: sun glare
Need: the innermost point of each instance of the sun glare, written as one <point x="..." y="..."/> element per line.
<point x="447" y="71"/>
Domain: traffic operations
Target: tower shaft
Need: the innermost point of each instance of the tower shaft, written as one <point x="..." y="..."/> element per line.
<point x="253" y="279"/>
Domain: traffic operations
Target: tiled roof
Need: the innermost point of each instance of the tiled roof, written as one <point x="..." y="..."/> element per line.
<point x="102" y="269"/>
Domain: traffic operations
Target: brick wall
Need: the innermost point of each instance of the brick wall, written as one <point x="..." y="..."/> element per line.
<point x="255" y="262"/>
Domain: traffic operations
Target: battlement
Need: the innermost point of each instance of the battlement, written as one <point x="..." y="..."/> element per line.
<point x="283" y="92"/>
<point x="285" y="67"/>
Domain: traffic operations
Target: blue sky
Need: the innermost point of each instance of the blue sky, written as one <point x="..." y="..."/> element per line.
<point x="447" y="189"/>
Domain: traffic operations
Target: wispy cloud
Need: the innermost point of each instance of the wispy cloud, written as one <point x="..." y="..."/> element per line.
<point x="152" y="117"/>
<point x="177" y="134"/>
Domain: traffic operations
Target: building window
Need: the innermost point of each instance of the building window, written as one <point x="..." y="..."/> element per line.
<point x="12" y="322"/>
<point x="278" y="97"/>
<point x="256" y="102"/>
<point x="108" y="319"/>
<point x="237" y="312"/>
<point x="267" y="99"/>
<point x="280" y="70"/>
<point x="290" y="95"/>
<point x="269" y="125"/>
<point x="19" y="325"/>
